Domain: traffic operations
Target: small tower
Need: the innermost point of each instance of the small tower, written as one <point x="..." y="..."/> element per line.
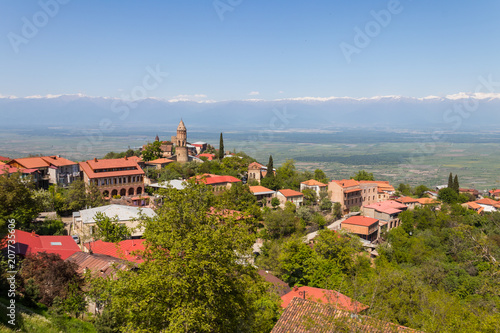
<point x="181" y="143"/>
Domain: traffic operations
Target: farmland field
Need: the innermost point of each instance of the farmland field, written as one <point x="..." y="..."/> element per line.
<point x="398" y="157"/>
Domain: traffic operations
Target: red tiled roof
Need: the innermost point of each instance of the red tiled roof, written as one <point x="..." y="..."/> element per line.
<point x="406" y="200"/>
<point x="159" y="161"/>
<point x="494" y="192"/>
<point x="290" y="193"/>
<point x="4" y="159"/>
<point x="255" y="165"/>
<point x="487" y="201"/>
<point x="360" y="220"/>
<point x="313" y="182"/>
<point x="331" y="297"/>
<point x="91" y="165"/>
<point x="383" y="185"/>
<point x="346" y="182"/>
<point x="220" y="179"/>
<point x="31" y="243"/>
<point x="259" y="189"/>
<point x="31" y="162"/>
<point x="352" y="190"/>
<point x="5" y="168"/>
<point x="58" y="161"/>
<point x="100" y="264"/>
<point x="208" y="156"/>
<point x="129" y="249"/>
<point x="304" y="316"/>
<point x="388" y="207"/>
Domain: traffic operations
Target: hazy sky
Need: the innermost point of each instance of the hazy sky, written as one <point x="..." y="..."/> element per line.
<point x="241" y="49"/>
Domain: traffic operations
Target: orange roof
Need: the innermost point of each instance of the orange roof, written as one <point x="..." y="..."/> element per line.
<point x="313" y="182"/>
<point x="427" y="201"/>
<point x="406" y="200"/>
<point x="30" y="162"/>
<point x="352" y="190"/>
<point x="332" y="297"/>
<point x="208" y="156"/>
<point x="487" y="201"/>
<point x="2" y="163"/>
<point x="473" y="205"/>
<point x="346" y="182"/>
<point x="255" y="165"/>
<point x="388" y="207"/>
<point x="160" y="161"/>
<point x="58" y="161"/>
<point x="135" y="158"/>
<point x="90" y="166"/>
<point x="360" y="220"/>
<point x="383" y="185"/>
<point x="5" y="159"/>
<point x="259" y="189"/>
<point x="130" y="249"/>
<point x="290" y="193"/>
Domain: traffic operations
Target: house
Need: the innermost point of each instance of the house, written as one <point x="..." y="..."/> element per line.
<point x="351" y="193"/>
<point x="113" y="177"/>
<point x="30" y="243"/>
<point x="470" y="191"/>
<point x="314" y="185"/>
<point x="174" y="183"/>
<point x="219" y="183"/>
<point x="489" y="205"/>
<point x="428" y="202"/>
<point x="263" y="195"/>
<point x="279" y="286"/>
<point x="200" y="146"/>
<point x="287" y="195"/>
<point x="331" y="297"/>
<point x="366" y="228"/>
<point x="432" y="194"/>
<point x="305" y="316"/>
<point x="410" y="202"/>
<point x="495" y="194"/>
<point x="100" y="265"/>
<point x="84" y="222"/>
<point x="34" y="173"/>
<point x="387" y="212"/>
<point x="4" y="159"/>
<point x="256" y="171"/>
<point x="54" y="170"/>
<point x="384" y="189"/>
<point x="474" y="206"/>
<point x="129" y="249"/>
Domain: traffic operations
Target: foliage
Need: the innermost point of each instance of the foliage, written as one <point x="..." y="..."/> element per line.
<point x="221" y="148"/>
<point x="420" y="190"/>
<point x="363" y="175"/>
<point x="128" y="153"/>
<point x="320" y="176"/>
<point x="16" y="201"/>
<point x="195" y="272"/>
<point x="448" y="195"/>
<point x="152" y="151"/>
<point x="280" y="223"/>
<point x="405" y="189"/>
<point x="337" y="210"/>
<point x="45" y="277"/>
<point x="275" y="202"/>
<point x="49" y="227"/>
<point x="310" y="197"/>
<point x="108" y="229"/>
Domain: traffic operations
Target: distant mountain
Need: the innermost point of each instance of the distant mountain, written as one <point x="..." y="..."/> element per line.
<point x="460" y="112"/>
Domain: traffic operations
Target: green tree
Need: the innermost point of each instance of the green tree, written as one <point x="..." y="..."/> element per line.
<point x="221" y="148"/>
<point x="456" y="185"/>
<point x="363" y="175"/>
<point x="310" y="197"/>
<point x="108" y="229"/>
<point x="280" y="223"/>
<point x="320" y="176"/>
<point x="152" y="151"/>
<point x="448" y="195"/>
<point x="420" y="190"/>
<point x="338" y="248"/>
<point x="196" y="272"/>
<point x="450" y="181"/>
<point x="16" y="201"/>
<point x="337" y="210"/>
<point x="270" y="168"/>
<point x="275" y="202"/>
<point x="295" y="262"/>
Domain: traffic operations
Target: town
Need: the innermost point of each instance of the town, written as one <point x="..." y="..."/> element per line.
<point x="100" y="241"/>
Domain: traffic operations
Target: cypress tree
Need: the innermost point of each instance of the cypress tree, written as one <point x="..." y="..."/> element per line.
<point x="270" y="167"/>
<point x="456" y="186"/>
<point x="450" y="181"/>
<point x="221" y="147"/>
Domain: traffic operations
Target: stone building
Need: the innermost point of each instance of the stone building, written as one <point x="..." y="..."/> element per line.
<point x="180" y="141"/>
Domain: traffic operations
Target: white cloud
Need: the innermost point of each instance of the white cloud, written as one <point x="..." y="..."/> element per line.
<point x="254" y="93"/>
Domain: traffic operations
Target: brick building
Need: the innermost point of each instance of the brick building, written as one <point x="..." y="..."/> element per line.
<point x="120" y="176"/>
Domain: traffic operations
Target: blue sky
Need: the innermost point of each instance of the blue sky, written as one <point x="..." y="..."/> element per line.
<point x="260" y="49"/>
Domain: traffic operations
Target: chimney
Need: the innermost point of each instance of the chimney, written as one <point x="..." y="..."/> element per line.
<point x="295" y="288"/>
<point x="126" y="158"/>
<point x="95" y="159"/>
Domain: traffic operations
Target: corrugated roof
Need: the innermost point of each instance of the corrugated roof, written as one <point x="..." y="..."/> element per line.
<point x="124" y="213"/>
<point x="99" y="264"/>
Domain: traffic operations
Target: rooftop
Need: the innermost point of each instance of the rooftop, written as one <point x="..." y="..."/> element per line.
<point x="290" y="193"/>
<point x="313" y="182"/>
<point x="332" y="297"/>
<point x="130" y="249"/>
<point x="487" y="201"/>
<point x="406" y="200"/>
<point x="260" y="190"/>
<point x="388" y="207"/>
<point x="346" y="182"/>
<point x="360" y="220"/>
<point x="90" y="166"/>
<point x="100" y="264"/>
<point x="124" y="213"/>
